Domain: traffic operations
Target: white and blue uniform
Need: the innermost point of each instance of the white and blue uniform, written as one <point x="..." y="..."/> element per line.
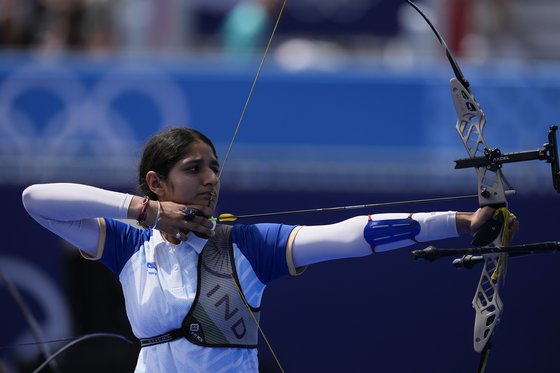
<point x="159" y="279"/>
<point x="159" y="282"/>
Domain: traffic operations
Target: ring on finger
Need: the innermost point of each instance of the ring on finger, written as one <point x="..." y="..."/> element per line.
<point x="190" y="213"/>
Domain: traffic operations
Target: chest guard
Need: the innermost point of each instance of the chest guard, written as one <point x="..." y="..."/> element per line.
<point x="218" y="316"/>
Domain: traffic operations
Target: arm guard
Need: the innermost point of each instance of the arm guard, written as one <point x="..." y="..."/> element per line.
<point x="360" y="235"/>
<point x="379" y="232"/>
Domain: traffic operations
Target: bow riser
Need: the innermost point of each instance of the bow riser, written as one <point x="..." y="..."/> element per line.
<point x="487" y="303"/>
<point x="470" y="127"/>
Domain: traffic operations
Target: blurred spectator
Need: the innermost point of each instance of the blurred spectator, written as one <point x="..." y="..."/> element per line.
<point x="56" y="25"/>
<point x="154" y="25"/>
<point x="247" y="26"/>
<point x="60" y="26"/>
<point x="497" y="30"/>
<point x="98" y="25"/>
<point x="475" y="29"/>
<point x="17" y="22"/>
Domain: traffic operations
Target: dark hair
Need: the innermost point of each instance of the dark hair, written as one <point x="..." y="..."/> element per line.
<point x="164" y="150"/>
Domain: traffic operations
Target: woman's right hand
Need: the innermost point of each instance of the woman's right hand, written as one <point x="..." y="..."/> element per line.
<point x="172" y="218"/>
<point x="177" y="220"/>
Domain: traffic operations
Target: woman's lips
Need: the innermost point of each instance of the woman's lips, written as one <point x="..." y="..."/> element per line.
<point x="208" y="197"/>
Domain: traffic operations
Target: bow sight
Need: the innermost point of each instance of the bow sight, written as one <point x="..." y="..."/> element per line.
<point x="494" y="158"/>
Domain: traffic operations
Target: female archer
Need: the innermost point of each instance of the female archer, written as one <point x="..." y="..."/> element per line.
<point x="193" y="287"/>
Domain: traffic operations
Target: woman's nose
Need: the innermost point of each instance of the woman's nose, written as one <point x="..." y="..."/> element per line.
<point x="211" y="177"/>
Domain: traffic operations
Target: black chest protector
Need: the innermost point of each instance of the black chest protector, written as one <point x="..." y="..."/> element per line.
<point x="218" y="316"/>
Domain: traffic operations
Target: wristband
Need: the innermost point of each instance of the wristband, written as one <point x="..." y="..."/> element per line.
<point x="157" y="215"/>
<point x="141" y="219"/>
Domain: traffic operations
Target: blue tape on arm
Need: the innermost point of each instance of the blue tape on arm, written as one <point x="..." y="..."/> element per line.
<point x="379" y="232"/>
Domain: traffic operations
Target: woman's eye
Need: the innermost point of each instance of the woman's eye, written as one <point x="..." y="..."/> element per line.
<point x="198" y="168"/>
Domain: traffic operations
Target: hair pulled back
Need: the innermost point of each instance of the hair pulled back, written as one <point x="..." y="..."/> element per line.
<point x="164" y="150"/>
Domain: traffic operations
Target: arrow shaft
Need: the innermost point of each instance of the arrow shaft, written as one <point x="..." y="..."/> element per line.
<point x="355" y="207"/>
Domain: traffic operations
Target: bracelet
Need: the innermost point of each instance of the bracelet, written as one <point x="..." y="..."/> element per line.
<point x="141" y="219"/>
<point x="157" y="215"/>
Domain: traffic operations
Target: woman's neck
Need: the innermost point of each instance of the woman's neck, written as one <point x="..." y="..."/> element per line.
<point x="170" y="239"/>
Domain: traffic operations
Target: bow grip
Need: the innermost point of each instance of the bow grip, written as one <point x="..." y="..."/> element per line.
<point x="489" y="231"/>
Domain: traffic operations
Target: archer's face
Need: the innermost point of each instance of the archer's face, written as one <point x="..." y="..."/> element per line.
<point x="194" y="179"/>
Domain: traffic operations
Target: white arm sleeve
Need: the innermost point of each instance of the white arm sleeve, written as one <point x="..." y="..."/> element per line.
<point x="71" y="211"/>
<point x="314" y="244"/>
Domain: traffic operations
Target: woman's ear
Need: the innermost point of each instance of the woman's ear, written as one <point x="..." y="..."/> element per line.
<point x="155" y="183"/>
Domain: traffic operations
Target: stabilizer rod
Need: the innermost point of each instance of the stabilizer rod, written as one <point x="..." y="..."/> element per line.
<point x="432" y="253"/>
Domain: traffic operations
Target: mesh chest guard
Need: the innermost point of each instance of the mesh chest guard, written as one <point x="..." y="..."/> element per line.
<point x="218" y="316"/>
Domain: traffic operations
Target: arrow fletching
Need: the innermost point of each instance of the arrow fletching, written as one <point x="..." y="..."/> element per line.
<point x="226" y="218"/>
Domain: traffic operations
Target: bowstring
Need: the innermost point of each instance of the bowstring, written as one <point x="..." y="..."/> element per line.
<point x="257" y="75"/>
<point x="230" y="147"/>
<point x="257" y="323"/>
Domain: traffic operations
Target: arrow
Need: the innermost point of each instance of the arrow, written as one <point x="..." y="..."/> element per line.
<point x="227" y="217"/>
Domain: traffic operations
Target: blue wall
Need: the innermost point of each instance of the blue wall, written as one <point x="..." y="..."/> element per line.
<point x="83" y="119"/>
<point x="310" y="139"/>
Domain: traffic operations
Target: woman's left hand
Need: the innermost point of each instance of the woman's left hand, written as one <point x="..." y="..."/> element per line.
<point x="484" y="214"/>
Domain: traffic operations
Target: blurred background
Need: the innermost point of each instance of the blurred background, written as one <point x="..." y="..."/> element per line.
<point x="352" y="107"/>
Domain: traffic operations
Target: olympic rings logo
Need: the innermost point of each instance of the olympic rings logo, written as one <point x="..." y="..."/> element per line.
<point x="49" y="113"/>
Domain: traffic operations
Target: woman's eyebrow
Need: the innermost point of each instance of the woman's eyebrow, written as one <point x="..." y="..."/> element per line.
<point x="195" y="159"/>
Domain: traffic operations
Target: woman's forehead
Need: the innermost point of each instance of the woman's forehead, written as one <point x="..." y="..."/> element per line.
<point x="199" y="149"/>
